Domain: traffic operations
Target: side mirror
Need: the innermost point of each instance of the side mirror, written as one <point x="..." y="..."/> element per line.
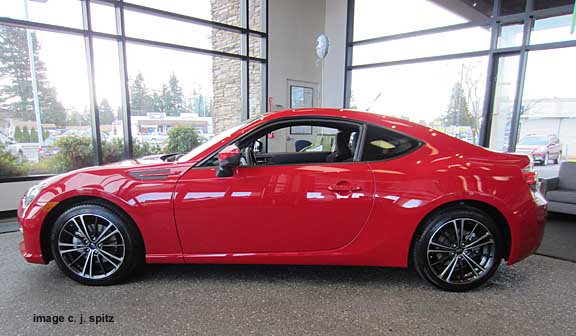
<point x="228" y="158"/>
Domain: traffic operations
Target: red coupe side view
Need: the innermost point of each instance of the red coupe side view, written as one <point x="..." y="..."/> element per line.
<point x="308" y="186"/>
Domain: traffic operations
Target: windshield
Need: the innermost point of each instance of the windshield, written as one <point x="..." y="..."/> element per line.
<point x="213" y="140"/>
<point x="528" y="141"/>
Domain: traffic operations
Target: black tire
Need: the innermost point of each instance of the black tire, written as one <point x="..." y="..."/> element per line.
<point x="438" y="226"/>
<point x="558" y="158"/>
<point x="67" y="241"/>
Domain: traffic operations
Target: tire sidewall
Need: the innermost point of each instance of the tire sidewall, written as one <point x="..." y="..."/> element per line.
<point x="432" y="224"/>
<point x="132" y="254"/>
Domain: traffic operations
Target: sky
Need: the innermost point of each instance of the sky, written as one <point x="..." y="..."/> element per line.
<point x="421" y="91"/>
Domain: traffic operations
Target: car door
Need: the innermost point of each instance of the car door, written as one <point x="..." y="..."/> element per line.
<point x="286" y="208"/>
<point x="273" y="208"/>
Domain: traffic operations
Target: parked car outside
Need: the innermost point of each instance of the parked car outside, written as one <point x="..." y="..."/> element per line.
<point x="542" y="148"/>
<point x="13" y="147"/>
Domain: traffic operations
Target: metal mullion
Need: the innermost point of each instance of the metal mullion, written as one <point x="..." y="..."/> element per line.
<point x="40" y="26"/>
<point x="190" y="49"/>
<point x="190" y="19"/>
<point x="551" y="45"/>
<point x="94" y="113"/>
<point x="430" y="31"/>
<point x="491" y="75"/>
<point x="348" y="54"/>
<point x="515" y="121"/>
<point x="421" y="60"/>
<point x="265" y="96"/>
<point x="245" y="65"/>
<point x="124" y="88"/>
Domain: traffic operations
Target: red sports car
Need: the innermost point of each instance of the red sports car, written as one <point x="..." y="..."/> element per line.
<point x="309" y="186"/>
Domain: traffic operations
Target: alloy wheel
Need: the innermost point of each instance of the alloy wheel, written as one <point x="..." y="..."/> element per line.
<point x="461" y="251"/>
<point x="91" y="246"/>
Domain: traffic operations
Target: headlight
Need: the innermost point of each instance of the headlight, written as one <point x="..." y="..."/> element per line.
<point x="32" y="193"/>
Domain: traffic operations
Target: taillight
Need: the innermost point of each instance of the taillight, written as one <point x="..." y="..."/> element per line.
<point x="531" y="178"/>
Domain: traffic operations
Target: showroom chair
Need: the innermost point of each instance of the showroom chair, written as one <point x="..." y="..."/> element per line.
<point x="560" y="192"/>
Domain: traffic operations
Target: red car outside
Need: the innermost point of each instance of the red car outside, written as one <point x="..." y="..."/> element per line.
<point x="389" y="193"/>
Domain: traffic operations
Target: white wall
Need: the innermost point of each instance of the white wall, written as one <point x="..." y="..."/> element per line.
<point x="293" y="27"/>
<point x="333" y="78"/>
<point x="10" y="194"/>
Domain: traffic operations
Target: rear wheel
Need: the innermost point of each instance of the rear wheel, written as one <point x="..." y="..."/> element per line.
<point x="96" y="246"/>
<point x="458" y="249"/>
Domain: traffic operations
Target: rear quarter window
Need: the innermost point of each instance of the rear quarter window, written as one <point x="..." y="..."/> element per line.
<point x="383" y="144"/>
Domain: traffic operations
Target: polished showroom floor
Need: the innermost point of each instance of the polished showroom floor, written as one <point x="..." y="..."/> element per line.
<point x="534" y="297"/>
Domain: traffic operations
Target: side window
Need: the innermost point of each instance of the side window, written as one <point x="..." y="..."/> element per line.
<point x="382" y="144"/>
<point x="301" y="139"/>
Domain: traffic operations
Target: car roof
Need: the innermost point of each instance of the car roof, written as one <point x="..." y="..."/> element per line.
<point x="400" y="125"/>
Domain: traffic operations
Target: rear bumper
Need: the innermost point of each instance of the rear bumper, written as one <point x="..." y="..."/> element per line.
<point x="527" y="231"/>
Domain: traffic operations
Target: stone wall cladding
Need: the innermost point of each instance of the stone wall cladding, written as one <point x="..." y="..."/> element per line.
<point x="227" y="73"/>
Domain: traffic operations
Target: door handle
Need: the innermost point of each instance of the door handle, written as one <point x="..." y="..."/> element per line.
<point x="344" y="186"/>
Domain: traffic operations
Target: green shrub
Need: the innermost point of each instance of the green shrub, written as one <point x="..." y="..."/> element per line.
<point x="75" y="152"/>
<point x="112" y="150"/>
<point x="33" y="135"/>
<point x="144" y="148"/>
<point x="11" y="165"/>
<point x="182" y="139"/>
<point x="25" y="134"/>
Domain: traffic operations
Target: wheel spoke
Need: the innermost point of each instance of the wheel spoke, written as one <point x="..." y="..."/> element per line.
<point x="447" y="267"/>
<point x="471" y="232"/>
<point x="473" y="262"/>
<point x="486" y="235"/>
<point x="442" y="246"/>
<point x="457" y="234"/>
<point x="440" y="251"/>
<point x="461" y="238"/>
<point x="86" y="263"/>
<point x="480" y="245"/>
<point x="452" y="269"/>
<point x="110" y="261"/>
<point x="102" y="233"/>
<point x="471" y="267"/>
<point x="77" y="258"/>
<point x="440" y="260"/>
<point x="72" y="234"/>
<point x="69" y="244"/>
<point x="100" y="264"/>
<point x="78" y="249"/>
<point x="111" y="255"/>
<point x="91" y="263"/>
<point x="85" y="229"/>
<point x="107" y="236"/>
<point x="80" y="229"/>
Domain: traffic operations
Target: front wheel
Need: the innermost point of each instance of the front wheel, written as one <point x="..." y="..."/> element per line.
<point x="458" y="249"/>
<point x="96" y="246"/>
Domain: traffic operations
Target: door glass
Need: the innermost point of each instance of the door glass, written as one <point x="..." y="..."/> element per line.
<point x="503" y="104"/>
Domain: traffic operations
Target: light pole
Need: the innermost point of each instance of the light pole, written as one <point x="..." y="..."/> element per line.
<point x="33" y="75"/>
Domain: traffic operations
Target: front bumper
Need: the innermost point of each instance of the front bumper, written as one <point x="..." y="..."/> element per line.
<point x="30" y="221"/>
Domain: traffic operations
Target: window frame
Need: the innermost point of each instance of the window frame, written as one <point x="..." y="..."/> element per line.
<point x="358" y="153"/>
<point x="287" y="122"/>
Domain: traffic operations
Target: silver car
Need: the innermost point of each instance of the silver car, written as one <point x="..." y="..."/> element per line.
<point x="13" y="147"/>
